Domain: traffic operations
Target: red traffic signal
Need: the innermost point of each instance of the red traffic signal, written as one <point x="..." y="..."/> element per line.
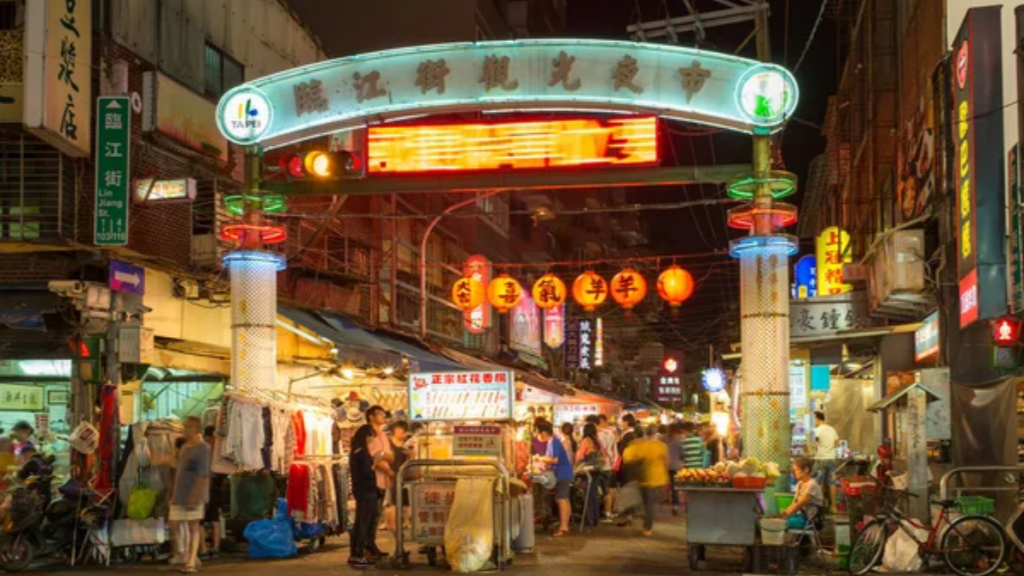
<point x="1005" y="331"/>
<point x="322" y="165"/>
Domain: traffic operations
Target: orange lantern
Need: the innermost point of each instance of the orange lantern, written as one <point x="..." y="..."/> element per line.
<point x="589" y="290"/>
<point x="629" y="288"/>
<point x="549" y="292"/>
<point x="467" y="293"/>
<point x="504" y="292"/>
<point x="675" y="286"/>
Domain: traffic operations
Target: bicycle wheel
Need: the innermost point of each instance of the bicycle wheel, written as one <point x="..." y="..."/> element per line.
<point x="866" y="552"/>
<point x="974" y="546"/>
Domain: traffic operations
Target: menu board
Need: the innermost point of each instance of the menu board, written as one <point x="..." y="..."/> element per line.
<point x="477" y="441"/>
<point x="458" y="396"/>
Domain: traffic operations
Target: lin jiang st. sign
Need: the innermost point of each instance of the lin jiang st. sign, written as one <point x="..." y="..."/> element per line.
<point x="533" y="75"/>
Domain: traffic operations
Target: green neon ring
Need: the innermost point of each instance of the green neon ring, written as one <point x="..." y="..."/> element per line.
<point x="271" y="204"/>
<point x="782" y="183"/>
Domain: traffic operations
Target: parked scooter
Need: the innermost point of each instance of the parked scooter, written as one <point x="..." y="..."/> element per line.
<point x="64" y="528"/>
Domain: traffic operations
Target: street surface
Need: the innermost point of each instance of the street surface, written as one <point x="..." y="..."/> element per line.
<point x="605" y="550"/>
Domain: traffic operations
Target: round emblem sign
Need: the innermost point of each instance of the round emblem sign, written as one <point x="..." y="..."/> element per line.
<point x="766" y="94"/>
<point x="244" y="115"/>
<point x="961" y="65"/>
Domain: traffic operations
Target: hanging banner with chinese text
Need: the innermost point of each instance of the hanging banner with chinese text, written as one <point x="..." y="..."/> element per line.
<point x="475" y="395"/>
<point x="58" y="73"/>
<point x="478" y="320"/>
<point x="21" y="397"/>
<point x="476" y="441"/>
<point x="524" y="327"/>
<point x="586" y="346"/>
<point x="554" y="326"/>
<point x="833" y="250"/>
<point x="572" y="346"/>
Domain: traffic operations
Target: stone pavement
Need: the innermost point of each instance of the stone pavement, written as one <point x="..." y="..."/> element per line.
<point x="604" y="550"/>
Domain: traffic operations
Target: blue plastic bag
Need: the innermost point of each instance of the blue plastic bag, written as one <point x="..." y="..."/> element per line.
<point x="272" y="538"/>
<point x="308" y="531"/>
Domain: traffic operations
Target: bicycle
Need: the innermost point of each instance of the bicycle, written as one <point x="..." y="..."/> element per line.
<point x="971" y="545"/>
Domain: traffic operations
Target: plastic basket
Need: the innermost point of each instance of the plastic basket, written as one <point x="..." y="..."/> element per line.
<point x="975" y="505"/>
<point x="749" y="482"/>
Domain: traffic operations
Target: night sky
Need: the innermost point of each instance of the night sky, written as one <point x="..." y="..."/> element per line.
<point x="712" y="315"/>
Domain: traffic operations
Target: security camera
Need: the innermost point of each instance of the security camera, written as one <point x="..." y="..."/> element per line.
<point x="66" y="287"/>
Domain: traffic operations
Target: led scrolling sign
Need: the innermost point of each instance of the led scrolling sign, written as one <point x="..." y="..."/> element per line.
<point x="554" y="75"/>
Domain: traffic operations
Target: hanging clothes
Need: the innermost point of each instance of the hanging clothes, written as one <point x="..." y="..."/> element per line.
<point x="299" y="424"/>
<point x="104" y="481"/>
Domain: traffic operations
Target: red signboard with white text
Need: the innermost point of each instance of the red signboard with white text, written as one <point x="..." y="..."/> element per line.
<point x="478" y="320"/>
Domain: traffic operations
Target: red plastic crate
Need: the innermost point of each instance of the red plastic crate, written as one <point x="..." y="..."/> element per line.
<point x="749" y="482"/>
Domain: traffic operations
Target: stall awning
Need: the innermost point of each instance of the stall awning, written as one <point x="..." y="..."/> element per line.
<point x="586" y="397"/>
<point x="349" y="338"/>
<point x="891" y="399"/>
<point x="427" y="361"/>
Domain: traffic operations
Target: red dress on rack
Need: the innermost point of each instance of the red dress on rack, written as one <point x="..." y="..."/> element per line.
<point x="298" y="488"/>
<point x="299" y="422"/>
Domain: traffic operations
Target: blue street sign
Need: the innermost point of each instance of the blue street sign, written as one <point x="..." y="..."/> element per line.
<point x="805" y="278"/>
<point x="125" y="277"/>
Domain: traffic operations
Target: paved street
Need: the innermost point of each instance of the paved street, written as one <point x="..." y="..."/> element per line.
<point x="606" y="550"/>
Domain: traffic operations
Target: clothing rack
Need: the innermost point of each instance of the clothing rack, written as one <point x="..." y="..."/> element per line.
<point x="276" y="397"/>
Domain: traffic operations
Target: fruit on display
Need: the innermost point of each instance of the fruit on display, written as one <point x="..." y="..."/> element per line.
<point x="701" y="476"/>
<point x="724" y="472"/>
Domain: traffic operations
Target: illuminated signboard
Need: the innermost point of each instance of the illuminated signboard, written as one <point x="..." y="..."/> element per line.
<point x="477" y="395"/>
<point x="586" y="346"/>
<point x="525" y="327"/>
<point x="599" y="343"/>
<point x="149" y="190"/>
<point x="478" y="320"/>
<point x="926" y="338"/>
<point x="554" y="326"/>
<point x="513" y="145"/>
<point x="668" y="389"/>
<point x="527" y="75"/>
<point x="833" y="250"/>
<point x="979" y="173"/>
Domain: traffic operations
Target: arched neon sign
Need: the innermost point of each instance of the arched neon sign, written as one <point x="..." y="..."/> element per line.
<point x="576" y="75"/>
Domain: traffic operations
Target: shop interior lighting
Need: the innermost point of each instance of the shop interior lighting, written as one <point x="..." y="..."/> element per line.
<point x="45" y="367"/>
<point x="513" y="145"/>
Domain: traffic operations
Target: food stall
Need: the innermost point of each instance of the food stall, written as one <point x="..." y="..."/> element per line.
<point x="724" y="505"/>
<point x="463" y="458"/>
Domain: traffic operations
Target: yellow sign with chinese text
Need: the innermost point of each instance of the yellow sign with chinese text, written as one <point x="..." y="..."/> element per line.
<point x="58" y="73"/>
<point x="21" y="397"/>
<point x="833" y="250"/>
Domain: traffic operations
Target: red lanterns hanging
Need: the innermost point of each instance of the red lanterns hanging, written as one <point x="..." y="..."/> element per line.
<point x="629" y="288"/>
<point x="589" y="290"/>
<point x="549" y="292"/>
<point x="504" y="292"/>
<point x="675" y="286"/>
<point x="467" y="293"/>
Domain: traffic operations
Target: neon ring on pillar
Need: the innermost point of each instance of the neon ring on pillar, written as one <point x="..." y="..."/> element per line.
<point x="269" y="233"/>
<point x="257" y="256"/>
<point x="782" y="184"/>
<point x="782" y="215"/>
<point x="272" y="203"/>
<point x="767" y="243"/>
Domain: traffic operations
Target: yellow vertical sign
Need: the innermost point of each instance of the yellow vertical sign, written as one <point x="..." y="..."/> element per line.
<point x="833" y="250"/>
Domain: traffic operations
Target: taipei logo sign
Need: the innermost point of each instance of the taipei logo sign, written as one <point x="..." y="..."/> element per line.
<point x="245" y="115"/>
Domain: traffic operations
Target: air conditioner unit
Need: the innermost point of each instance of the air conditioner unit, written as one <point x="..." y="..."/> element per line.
<point x="897" y="286"/>
<point x="205" y="251"/>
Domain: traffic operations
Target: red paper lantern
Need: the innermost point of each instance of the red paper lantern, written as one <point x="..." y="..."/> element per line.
<point x="467" y="293"/>
<point x="589" y="290"/>
<point x="629" y="288"/>
<point x="675" y="286"/>
<point x="504" y="292"/>
<point x="549" y="292"/>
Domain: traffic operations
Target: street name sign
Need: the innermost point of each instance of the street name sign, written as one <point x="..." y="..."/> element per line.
<point x="113" y="131"/>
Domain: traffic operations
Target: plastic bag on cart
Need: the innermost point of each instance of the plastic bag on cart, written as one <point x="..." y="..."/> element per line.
<point x="901" y="552"/>
<point x="469" y="531"/>
<point x="272" y="538"/>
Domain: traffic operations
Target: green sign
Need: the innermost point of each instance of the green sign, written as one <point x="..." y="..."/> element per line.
<point x="1016" y="234"/>
<point x="113" y="131"/>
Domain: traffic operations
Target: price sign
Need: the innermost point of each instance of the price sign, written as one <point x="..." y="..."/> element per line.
<point x="477" y="441"/>
<point x="431" y="503"/>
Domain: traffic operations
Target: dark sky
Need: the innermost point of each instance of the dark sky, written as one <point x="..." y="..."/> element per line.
<point x="712" y="315"/>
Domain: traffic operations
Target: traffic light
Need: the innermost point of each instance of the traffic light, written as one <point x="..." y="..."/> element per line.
<point x="1005" y="331"/>
<point x="322" y="165"/>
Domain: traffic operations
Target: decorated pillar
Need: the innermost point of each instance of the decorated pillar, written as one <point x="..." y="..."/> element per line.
<point x="769" y="94"/>
<point x="253" y="271"/>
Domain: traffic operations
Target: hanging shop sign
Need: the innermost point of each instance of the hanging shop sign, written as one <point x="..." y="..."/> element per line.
<point x="21" y="397"/>
<point x="478" y="320"/>
<point x="574" y="412"/>
<point x="554" y="326"/>
<point x="599" y="343"/>
<point x="525" y="327"/>
<point x="148" y="190"/>
<point x="58" y="73"/>
<point x="833" y="250"/>
<point x="445" y="396"/>
<point x="544" y="74"/>
<point x="537" y="144"/>
<point x="178" y="113"/>
<point x="926" y="338"/>
<point x="667" y="388"/>
<point x="978" y="137"/>
<point x="476" y="441"/>
<point x="805" y="278"/>
<point x="828" y="315"/>
<point x="431" y="504"/>
<point x="572" y="346"/>
<point x="1016" y="232"/>
<point x="797" y="386"/>
<point x="586" y="346"/>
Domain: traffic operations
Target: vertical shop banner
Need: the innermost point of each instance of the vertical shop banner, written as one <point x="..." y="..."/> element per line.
<point x="525" y="327"/>
<point x="478" y="320"/>
<point x="926" y="339"/>
<point x="1016" y="232"/>
<point x="586" y="346"/>
<point x="58" y="73"/>
<point x="805" y="278"/>
<point x="554" y="326"/>
<point x="832" y="251"/>
<point x="113" y="179"/>
<point x="978" y="140"/>
<point x="599" y="343"/>
<point x="572" y="346"/>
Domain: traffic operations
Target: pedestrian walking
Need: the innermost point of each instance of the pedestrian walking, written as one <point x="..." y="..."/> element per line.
<point x="561" y="462"/>
<point x="191" y="494"/>
<point x="609" y="438"/>
<point x="649" y="458"/>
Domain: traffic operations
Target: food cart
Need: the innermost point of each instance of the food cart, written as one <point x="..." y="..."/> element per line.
<point x="469" y="434"/>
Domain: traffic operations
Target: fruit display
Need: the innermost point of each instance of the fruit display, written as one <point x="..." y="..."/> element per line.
<point x="738" y="473"/>
<point x="699" y="477"/>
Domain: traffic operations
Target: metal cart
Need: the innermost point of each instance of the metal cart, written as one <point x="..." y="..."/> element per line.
<point x="723" y="516"/>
